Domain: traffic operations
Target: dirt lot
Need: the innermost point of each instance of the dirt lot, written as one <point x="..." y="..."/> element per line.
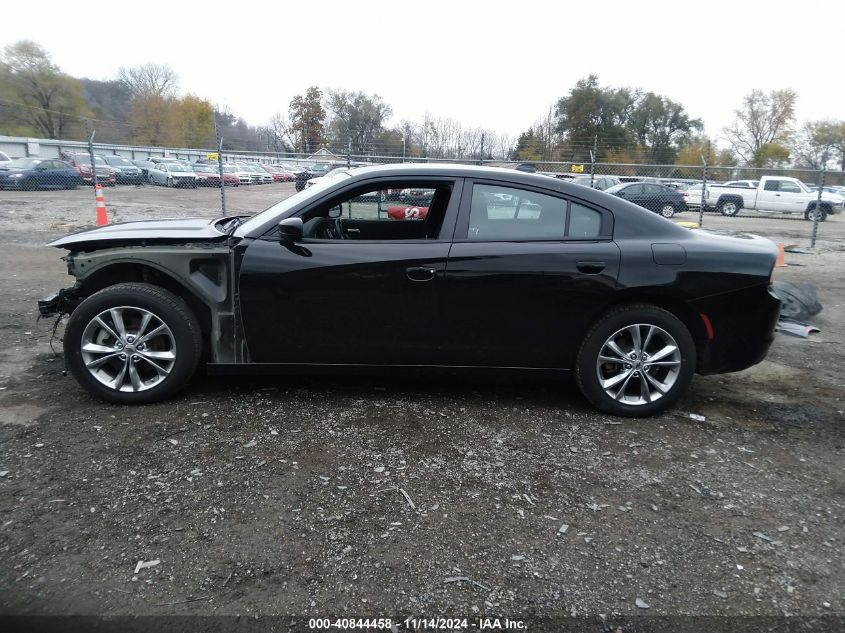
<point x="383" y="497"/>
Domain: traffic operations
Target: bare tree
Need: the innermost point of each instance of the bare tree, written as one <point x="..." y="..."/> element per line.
<point x="763" y="125"/>
<point x="149" y="80"/>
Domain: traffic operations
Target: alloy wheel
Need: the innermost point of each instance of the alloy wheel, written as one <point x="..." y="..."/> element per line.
<point x="667" y="211"/>
<point x="638" y="364"/>
<point x="128" y="349"/>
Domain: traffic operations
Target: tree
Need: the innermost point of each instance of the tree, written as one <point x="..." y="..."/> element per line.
<point x="591" y="111"/>
<point x="149" y="80"/>
<point x="763" y="126"/>
<point x="50" y="100"/>
<point x="357" y="118"/>
<point x="819" y="142"/>
<point x="691" y="153"/>
<point x="307" y="119"/>
<point x="153" y="117"/>
<point x="660" y="125"/>
<point x="193" y="122"/>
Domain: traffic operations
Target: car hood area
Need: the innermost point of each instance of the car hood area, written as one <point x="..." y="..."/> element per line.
<point x="165" y="231"/>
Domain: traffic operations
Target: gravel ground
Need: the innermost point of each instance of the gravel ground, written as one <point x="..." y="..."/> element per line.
<point x="433" y="496"/>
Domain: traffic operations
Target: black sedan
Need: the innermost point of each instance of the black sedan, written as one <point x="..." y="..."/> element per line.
<point x="39" y="173"/>
<point x="505" y="270"/>
<point x="658" y="198"/>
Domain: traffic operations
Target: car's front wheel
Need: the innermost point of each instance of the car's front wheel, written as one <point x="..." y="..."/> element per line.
<point x="636" y="361"/>
<point x="667" y="210"/>
<point x="132" y="343"/>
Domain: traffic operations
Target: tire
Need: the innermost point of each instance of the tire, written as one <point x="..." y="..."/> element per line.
<point x="822" y="213"/>
<point x="139" y="379"/>
<point x="728" y="208"/>
<point x="628" y="398"/>
<point x="169" y="182"/>
<point x="667" y="210"/>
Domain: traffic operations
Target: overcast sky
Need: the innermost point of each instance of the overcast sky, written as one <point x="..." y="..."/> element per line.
<point x="493" y="64"/>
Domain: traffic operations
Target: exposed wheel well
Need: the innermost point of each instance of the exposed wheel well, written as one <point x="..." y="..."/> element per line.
<point x="729" y="198"/>
<point x="123" y="272"/>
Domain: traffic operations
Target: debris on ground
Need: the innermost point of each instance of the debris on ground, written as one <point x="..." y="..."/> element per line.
<point x="145" y="565"/>
<point x="642" y="604"/>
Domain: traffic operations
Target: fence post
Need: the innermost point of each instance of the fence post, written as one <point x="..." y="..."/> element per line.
<point x="220" y="167"/>
<point x="593" y="159"/>
<point x="703" y="185"/>
<point x="817" y="210"/>
<point x="91" y="155"/>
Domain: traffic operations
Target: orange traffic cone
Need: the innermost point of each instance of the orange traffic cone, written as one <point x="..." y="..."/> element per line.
<point x="102" y="216"/>
<point x="781" y="260"/>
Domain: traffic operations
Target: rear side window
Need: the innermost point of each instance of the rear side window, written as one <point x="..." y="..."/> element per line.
<point x="772" y="185"/>
<point x="500" y="213"/>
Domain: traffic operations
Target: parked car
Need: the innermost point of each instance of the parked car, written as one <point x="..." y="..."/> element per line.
<point x="599" y="182"/>
<point x="333" y="174"/>
<point x="4" y="159"/>
<point x="244" y="177"/>
<point x="82" y="163"/>
<point x="315" y="171"/>
<point x="774" y="194"/>
<point x="172" y="174"/>
<point x="655" y="197"/>
<point x="207" y="175"/>
<point x="279" y="174"/>
<point x="37" y="173"/>
<point x="125" y="171"/>
<point x="144" y="166"/>
<point x="258" y="175"/>
<point x="583" y="283"/>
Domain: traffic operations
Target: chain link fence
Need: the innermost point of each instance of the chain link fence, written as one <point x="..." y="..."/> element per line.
<point x="686" y="192"/>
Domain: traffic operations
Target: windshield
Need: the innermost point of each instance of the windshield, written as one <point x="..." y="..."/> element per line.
<point x="230" y="169"/>
<point x="206" y="169"/>
<point x="24" y="163"/>
<point x="289" y="203"/>
<point x="118" y="160"/>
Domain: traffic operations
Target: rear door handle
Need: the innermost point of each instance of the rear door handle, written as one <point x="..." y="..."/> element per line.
<point x="420" y="273"/>
<point x="591" y="268"/>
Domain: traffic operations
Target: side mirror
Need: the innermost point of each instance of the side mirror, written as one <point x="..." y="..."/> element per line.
<point x="335" y="212"/>
<point x="290" y="230"/>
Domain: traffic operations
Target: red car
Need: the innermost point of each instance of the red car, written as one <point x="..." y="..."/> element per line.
<point x="401" y="212"/>
<point x="208" y="175"/>
<point x="82" y="163"/>
<point x="279" y="174"/>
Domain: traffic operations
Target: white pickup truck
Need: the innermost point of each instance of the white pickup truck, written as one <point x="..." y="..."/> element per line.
<point x="774" y="194"/>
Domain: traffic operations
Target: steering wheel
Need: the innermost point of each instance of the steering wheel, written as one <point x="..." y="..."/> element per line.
<point x="337" y="229"/>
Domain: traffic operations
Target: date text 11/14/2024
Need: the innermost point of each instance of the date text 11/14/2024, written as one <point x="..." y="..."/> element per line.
<point x="419" y="624"/>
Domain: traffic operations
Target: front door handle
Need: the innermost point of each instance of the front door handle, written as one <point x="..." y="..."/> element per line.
<point x="591" y="268"/>
<point x="420" y="273"/>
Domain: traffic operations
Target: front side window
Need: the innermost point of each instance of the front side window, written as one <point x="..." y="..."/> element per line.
<point x="400" y="211"/>
<point x="789" y="187"/>
<point x="500" y="213"/>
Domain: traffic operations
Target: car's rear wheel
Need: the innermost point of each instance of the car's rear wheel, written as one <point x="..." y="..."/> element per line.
<point x="132" y="343"/>
<point x="636" y="361"/>
<point x="728" y="208"/>
<point x="667" y="210"/>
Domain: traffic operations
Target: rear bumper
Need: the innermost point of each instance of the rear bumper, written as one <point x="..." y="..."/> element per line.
<point x="743" y="325"/>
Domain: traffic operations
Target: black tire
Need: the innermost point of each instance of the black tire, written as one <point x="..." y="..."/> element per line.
<point x="586" y="364"/>
<point x="808" y="215"/>
<point x="167" y="308"/>
<point x="667" y="210"/>
<point x="728" y="208"/>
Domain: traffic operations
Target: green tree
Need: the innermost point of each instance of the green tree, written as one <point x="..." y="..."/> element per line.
<point x="357" y="118"/>
<point x="307" y="120"/>
<point x="51" y="101"/>
<point x="660" y="125"/>
<point x="590" y="111"/>
<point x="763" y="127"/>
<point x="194" y="122"/>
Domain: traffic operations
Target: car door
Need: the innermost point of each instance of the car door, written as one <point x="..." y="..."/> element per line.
<point x="773" y="197"/>
<point x="793" y="199"/>
<point x="632" y="193"/>
<point x="524" y="281"/>
<point x="355" y="290"/>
